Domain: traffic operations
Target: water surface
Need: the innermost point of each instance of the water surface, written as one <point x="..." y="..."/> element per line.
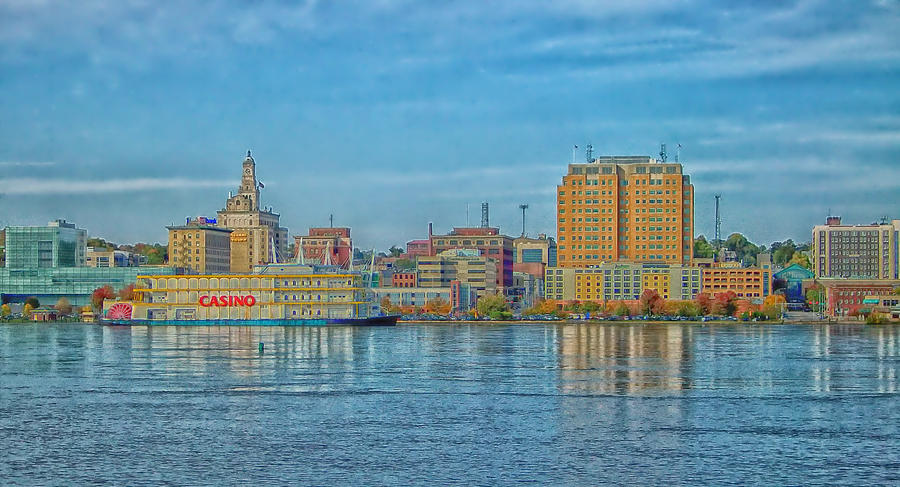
<point x="559" y="404"/>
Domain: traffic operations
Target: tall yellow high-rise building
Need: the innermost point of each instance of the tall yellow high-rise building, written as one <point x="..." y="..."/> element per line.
<point x="625" y="208"/>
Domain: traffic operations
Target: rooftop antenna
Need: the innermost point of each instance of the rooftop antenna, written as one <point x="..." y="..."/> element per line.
<point x="331" y="220"/>
<point x="573" y="153"/>
<point x="678" y="153"/>
<point x="485" y="220"/>
<point x="663" y="157"/>
<point x="467" y="215"/>
<point x="718" y="240"/>
<point x="588" y="155"/>
<point x="524" y="207"/>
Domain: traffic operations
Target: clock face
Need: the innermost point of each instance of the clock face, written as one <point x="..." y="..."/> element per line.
<point x="247" y="170"/>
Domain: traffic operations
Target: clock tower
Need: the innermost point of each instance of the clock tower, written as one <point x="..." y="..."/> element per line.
<point x="249" y="187"/>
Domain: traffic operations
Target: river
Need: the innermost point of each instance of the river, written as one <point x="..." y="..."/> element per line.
<point x="451" y="404"/>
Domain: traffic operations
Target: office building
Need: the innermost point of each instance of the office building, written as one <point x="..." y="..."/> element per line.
<point x="622" y="282"/>
<point x="625" y="208"/>
<point x="746" y="282"/>
<point x="201" y="247"/>
<point x="259" y="237"/>
<point x="102" y="257"/>
<point x="59" y="244"/>
<point x="464" y="266"/>
<point x="855" y="251"/>
<point x="488" y="242"/>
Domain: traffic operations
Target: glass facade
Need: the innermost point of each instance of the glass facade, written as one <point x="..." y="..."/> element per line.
<point x="59" y="244"/>
<point x="74" y="283"/>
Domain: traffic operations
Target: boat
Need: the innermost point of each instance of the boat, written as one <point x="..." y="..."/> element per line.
<point x="271" y="295"/>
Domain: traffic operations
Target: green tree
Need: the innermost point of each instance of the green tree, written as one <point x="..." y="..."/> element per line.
<point x="800" y="259"/>
<point x="99" y="243"/>
<point x="491" y="303"/>
<point x="33" y="301"/>
<point x="746" y="250"/>
<point x="782" y="252"/>
<point x="395" y="251"/>
<point x="404" y="264"/>
<point x="622" y="309"/>
<point x="702" y="248"/>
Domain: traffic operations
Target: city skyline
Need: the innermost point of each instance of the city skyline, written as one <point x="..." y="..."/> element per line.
<point x="126" y="118"/>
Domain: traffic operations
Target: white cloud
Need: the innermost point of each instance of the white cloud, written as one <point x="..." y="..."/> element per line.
<point x="26" y="164"/>
<point x="35" y="186"/>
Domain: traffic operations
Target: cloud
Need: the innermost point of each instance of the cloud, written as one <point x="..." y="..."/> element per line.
<point x="34" y="186"/>
<point x="26" y="164"/>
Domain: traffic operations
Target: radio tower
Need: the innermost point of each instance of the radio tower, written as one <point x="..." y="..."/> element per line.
<point x="524" y="207"/>
<point x="663" y="157"/>
<point x="485" y="221"/>
<point x="718" y="240"/>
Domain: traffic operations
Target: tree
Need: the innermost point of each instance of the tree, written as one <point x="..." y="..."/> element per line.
<point x="395" y="251"/>
<point x="437" y="305"/>
<point x="774" y="300"/>
<point x="5" y="310"/>
<point x="27" y="309"/>
<point x="545" y="307"/>
<point x="800" y="259"/>
<point x="101" y="294"/>
<point x="99" y="243"/>
<point x="704" y="303"/>
<point x="621" y="309"/>
<point x="689" y="309"/>
<point x="404" y="264"/>
<point x="725" y="304"/>
<point x="782" y="252"/>
<point x="491" y="303"/>
<point x="815" y="296"/>
<point x="897" y="291"/>
<point x="126" y="293"/>
<point x="745" y="250"/>
<point x="651" y="302"/>
<point x="63" y="306"/>
<point x="33" y="301"/>
<point x="702" y="248"/>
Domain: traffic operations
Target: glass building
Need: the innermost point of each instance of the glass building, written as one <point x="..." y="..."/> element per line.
<point x="74" y="283"/>
<point x="59" y="244"/>
<point x="49" y="263"/>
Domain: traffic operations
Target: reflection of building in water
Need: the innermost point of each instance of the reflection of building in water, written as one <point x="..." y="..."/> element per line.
<point x="200" y="350"/>
<point x="624" y="359"/>
<point x="835" y="367"/>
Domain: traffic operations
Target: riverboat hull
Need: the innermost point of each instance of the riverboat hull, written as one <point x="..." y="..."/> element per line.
<point x="372" y="321"/>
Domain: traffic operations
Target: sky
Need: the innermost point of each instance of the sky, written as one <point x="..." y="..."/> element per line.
<point x="127" y="116"/>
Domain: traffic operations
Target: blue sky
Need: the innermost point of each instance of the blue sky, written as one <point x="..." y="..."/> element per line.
<point x="127" y="116"/>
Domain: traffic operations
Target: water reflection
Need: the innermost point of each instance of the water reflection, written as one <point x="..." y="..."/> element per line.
<point x="614" y="359"/>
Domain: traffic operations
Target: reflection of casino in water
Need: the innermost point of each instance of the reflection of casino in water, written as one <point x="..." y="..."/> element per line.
<point x="203" y="350"/>
<point x="624" y="360"/>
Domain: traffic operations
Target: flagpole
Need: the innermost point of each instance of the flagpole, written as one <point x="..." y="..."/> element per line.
<point x="573" y="153"/>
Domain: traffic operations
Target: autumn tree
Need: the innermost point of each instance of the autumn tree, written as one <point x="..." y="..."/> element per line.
<point x="5" y="310"/>
<point x="621" y="309"/>
<point x="63" y="306"/>
<point x="101" y="294"/>
<point x="704" y="302"/>
<point x="437" y="305"/>
<point x="33" y="301"/>
<point x="27" y="309"/>
<point x="774" y="300"/>
<point x="126" y="293"/>
<point x="651" y="302"/>
<point x="725" y="304"/>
